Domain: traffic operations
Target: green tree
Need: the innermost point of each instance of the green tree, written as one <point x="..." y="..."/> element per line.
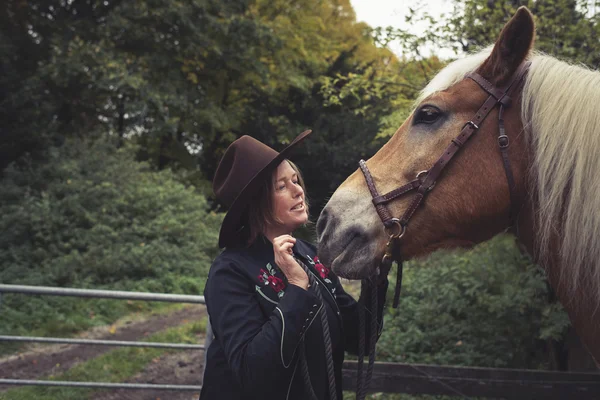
<point x="565" y="28"/>
<point x="155" y="69"/>
<point x="318" y="40"/>
<point x="184" y="79"/>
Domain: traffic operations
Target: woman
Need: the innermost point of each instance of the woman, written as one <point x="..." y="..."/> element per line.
<point x="272" y="305"/>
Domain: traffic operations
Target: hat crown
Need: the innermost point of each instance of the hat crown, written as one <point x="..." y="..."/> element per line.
<point x="242" y="161"/>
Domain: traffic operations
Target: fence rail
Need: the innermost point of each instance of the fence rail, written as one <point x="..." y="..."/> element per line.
<point x="464" y="382"/>
<point x="124" y="343"/>
<point x="103" y="294"/>
<point x="100" y="385"/>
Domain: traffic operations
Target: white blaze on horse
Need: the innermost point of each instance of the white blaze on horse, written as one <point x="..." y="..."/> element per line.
<point x="546" y="192"/>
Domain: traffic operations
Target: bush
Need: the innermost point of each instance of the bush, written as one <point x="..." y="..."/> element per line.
<point x="486" y="307"/>
<point x="91" y="217"/>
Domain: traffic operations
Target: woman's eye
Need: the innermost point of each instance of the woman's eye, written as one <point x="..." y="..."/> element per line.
<point x="427" y="115"/>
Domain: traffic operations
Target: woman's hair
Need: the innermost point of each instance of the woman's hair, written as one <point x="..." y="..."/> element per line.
<point x="260" y="211"/>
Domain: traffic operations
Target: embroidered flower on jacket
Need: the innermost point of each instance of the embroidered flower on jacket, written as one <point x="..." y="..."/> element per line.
<point x="268" y="278"/>
<point x="321" y="269"/>
<point x="276" y="283"/>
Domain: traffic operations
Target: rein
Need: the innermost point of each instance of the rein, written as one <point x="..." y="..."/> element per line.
<point x="424" y="183"/>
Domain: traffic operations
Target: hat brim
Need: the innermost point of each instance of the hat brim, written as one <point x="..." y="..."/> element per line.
<point x="231" y="223"/>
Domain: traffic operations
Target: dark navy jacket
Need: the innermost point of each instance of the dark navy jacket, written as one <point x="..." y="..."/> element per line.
<point x="259" y="320"/>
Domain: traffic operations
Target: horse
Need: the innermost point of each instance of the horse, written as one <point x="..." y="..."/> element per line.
<point x="528" y="165"/>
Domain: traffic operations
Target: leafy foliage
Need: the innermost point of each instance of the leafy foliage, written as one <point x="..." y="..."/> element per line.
<point x="564" y="28"/>
<point x="487" y="307"/>
<point x="95" y="218"/>
<point x="184" y="79"/>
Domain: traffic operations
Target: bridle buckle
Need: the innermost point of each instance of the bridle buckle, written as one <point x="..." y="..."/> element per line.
<point x="473" y="124"/>
<point x="425" y="172"/>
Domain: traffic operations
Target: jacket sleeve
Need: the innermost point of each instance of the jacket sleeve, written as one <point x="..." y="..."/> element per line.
<point x="257" y="349"/>
<point x="349" y="310"/>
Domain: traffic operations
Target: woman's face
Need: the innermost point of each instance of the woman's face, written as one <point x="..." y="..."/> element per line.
<point x="289" y="207"/>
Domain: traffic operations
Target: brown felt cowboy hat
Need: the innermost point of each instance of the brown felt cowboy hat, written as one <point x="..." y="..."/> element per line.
<point x="245" y="162"/>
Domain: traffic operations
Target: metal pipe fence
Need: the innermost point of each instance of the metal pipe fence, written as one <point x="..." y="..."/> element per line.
<point x="387" y="377"/>
<point x="100" y="385"/>
<point x="124" y="343"/>
<point x="104" y="294"/>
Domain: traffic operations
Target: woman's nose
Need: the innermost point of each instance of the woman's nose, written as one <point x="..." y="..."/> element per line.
<point x="299" y="191"/>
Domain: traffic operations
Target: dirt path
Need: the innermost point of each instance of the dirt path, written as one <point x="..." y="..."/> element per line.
<point x="48" y="360"/>
<point x="181" y="368"/>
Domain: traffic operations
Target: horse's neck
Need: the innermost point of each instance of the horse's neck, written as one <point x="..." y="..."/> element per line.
<point x="583" y="312"/>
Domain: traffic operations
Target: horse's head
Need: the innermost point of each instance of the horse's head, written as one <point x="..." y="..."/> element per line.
<point x="470" y="201"/>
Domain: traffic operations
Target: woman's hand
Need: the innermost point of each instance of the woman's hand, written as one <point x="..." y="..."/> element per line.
<point x="282" y="247"/>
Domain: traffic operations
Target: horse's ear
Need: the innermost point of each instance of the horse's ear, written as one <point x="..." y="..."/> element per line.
<point x="511" y="48"/>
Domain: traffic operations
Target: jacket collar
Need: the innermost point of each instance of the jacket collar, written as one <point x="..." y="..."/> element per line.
<point x="262" y="246"/>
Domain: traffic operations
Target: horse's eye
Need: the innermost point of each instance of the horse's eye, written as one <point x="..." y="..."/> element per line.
<point x="427" y="115"/>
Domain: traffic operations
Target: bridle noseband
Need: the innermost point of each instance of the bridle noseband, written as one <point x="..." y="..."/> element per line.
<point x="425" y="180"/>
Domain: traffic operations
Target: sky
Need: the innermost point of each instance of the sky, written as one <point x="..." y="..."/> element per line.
<point x="392" y="12"/>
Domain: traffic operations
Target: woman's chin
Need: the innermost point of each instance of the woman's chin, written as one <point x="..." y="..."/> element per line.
<point x="299" y="220"/>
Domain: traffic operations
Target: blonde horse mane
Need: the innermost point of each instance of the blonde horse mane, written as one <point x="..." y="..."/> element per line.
<point x="561" y="115"/>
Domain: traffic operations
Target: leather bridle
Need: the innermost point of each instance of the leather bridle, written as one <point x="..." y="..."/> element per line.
<point x="425" y="180"/>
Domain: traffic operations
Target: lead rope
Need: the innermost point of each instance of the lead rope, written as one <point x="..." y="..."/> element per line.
<point x="326" y="341"/>
<point x="374" y="334"/>
<point x="361" y="342"/>
<point x="369" y="288"/>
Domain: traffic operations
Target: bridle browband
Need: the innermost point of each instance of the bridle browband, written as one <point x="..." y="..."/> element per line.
<point x="425" y="180"/>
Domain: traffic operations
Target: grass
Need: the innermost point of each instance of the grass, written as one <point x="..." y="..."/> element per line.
<point x="116" y="366"/>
